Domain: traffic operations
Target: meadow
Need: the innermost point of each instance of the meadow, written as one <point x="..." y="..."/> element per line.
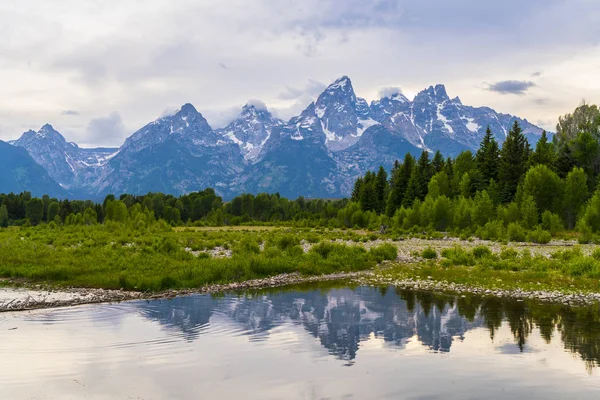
<point x="156" y="257"/>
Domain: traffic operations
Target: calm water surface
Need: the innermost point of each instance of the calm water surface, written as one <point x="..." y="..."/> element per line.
<point x="360" y="343"/>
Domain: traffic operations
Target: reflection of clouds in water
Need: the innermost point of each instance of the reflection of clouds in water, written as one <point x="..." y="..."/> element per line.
<point x="176" y="348"/>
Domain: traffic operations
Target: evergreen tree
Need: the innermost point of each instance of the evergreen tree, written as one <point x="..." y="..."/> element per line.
<point x="381" y="187"/>
<point x="412" y="190"/>
<point x="424" y="174"/>
<point x="35" y="211"/>
<point x="513" y="162"/>
<point x="3" y="216"/>
<point x="437" y="162"/>
<point x="356" y="191"/>
<point x="368" y="195"/>
<point x="544" y="153"/>
<point x="488" y="157"/>
<point x="564" y="160"/>
<point x="399" y="183"/>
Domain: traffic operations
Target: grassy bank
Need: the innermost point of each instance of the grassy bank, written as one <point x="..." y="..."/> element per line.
<point x="529" y="268"/>
<point x="116" y="256"/>
<point x="156" y="257"/>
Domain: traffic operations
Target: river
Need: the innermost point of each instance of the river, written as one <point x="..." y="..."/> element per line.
<point x="306" y="343"/>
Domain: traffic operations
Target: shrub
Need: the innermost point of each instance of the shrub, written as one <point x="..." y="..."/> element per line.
<point x="322" y="249"/>
<point x="552" y="222"/>
<point x="515" y="232"/>
<point x="457" y="256"/>
<point x="384" y="251"/>
<point x="492" y="230"/>
<point x="509" y="254"/>
<point x="286" y="241"/>
<point x="582" y="266"/>
<point x="482" y="252"/>
<point x="539" y="236"/>
<point x="429" y="254"/>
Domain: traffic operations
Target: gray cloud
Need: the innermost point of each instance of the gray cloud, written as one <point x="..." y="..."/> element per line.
<point x="223" y="66"/>
<point x="511" y="87"/>
<point x="541" y="101"/>
<point x="311" y="87"/>
<point x="106" y="131"/>
<point x="536" y="74"/>
<point x="69" y="112"/>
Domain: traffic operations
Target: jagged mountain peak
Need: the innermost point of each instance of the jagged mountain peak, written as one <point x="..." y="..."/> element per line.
<point x="187" y="109"/>
<point x="436" y="93"/>
<point x="342" y="82"/>
<point x="46" y="132"/>
<point x="251" y="130"/>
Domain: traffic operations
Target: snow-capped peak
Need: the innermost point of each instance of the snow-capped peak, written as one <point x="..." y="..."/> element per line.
<point x="341" y="83"/>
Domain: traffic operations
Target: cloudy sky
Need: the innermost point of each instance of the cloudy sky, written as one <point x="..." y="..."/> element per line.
<point x="100" y="69"/>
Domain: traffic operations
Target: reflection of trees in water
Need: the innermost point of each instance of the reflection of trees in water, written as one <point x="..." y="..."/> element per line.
<point x="341" y="318"/>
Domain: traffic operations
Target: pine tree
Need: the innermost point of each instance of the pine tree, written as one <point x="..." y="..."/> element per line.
<point x="565" y="162"/>
<point x="3" y="216"/>
<point x="356" y="191"/>
<point x="399" y="183"/>
<point x="412" y="189"/>
<point x="513" y="162"/>
<point x="381" y="188"/>
<point x="368" y="194"/>
<point x="424" y="174"/>
<point x="488" y="157"/>
<point x="545" y="153"/>
<point x="438" y="162"/>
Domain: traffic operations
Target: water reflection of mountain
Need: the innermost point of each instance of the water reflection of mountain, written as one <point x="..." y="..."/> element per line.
<point x="342" y="318"/>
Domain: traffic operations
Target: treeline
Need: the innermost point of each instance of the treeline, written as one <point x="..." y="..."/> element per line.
<point x="204" y="207"/>
<point x="498" y="191"/>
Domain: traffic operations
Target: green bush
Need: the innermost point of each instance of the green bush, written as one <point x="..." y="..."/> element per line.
<point x="286" y="241"/>
<point x="457" y="256"/>
<point x="509" y="254"/>
<point x="429" y="254"/>
<point x="386" y="251"/>
<point x="539" y="236"/>
<point x="481" y="252"/>
<point x="515" y="232"/>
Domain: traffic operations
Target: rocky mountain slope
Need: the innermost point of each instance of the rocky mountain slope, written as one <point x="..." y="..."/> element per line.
<point x="21" y="173"/>
<point x="316" y="154"/>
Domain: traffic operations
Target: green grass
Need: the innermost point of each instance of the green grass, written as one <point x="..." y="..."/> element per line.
<point x="566" y="270"/>
<point x="155" y="258"/>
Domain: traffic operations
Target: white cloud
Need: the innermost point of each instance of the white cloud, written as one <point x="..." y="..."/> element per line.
<point x="388" y="92"/>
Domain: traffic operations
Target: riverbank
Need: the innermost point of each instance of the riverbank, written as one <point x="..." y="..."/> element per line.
<point x="32" y="297"/>
<point x="110" y="266"/>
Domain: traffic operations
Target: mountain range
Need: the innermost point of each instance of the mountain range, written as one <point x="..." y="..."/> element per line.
<point x="318" y="153"/>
